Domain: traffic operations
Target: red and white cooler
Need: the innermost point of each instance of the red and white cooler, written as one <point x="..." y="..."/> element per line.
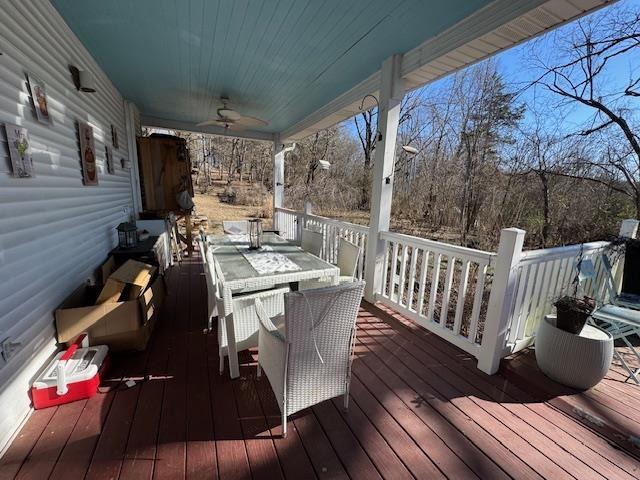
<point x="74" y="374"/>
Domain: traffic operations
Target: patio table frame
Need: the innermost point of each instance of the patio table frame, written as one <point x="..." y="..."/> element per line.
<point x="236" y="275"/>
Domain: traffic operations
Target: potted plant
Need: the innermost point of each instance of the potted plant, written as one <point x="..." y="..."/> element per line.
<point x="573" y="312"/>
<point x="574" y="309"/>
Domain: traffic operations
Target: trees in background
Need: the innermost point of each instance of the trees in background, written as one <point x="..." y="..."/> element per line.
<point x="579" y="72"/>
<point x="485" y="159"/>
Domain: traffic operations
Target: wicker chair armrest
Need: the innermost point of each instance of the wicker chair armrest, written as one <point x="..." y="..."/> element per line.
<point x="265" y="322"/>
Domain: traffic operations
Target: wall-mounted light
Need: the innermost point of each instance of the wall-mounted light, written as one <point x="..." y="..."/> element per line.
<point x="362" y="109"/>
<point x="82" y="79"/>
<point x="409" y="150"/>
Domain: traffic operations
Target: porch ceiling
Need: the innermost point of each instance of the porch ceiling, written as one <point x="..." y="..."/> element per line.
<point x="280" y="61"/>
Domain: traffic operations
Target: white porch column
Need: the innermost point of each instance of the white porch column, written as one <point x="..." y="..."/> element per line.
<point x="391" y="94"/>
<point x="132" y="124"/>
<point x="278" y="178"/>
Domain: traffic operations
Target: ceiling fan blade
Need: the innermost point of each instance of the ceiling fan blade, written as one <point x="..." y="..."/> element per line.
<point x="248" y="121"/>
<point x="207" y="123"/>
<point x="234" y="126"/>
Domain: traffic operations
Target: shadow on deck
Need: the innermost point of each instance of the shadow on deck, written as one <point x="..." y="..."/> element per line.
<point x="419" y="408"/>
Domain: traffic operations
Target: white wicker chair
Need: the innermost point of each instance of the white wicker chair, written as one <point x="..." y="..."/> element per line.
<point x="348" y="258"/>
<point x="311" y="242"/>
<point x="235" y="227"/>
<point x="245" y="319"/>
<point x="210" y="276"/>
<point x="306" y="354"/>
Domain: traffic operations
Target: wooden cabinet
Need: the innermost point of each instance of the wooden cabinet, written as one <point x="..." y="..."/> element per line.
<point x="165" y="170"/>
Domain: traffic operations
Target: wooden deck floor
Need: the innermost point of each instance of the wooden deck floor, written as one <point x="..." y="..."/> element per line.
<point x="419" y="409"/>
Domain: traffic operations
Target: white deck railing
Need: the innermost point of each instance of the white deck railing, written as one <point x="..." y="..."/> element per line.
<point x="290" y="224"/>
<point x="488" y="304"/>
<point x="543" y="276"/>
<point x="440" y="286"/>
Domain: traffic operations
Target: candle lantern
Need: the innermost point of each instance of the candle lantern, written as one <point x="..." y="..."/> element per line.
<point x="255" y="234"/>
<point x="127" y="235"/>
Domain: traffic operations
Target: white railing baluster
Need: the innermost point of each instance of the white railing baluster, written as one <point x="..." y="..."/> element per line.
<point x="435" y="280"/>
<point x="462" y="294"/>
<point x="392" y="265"/>
<point x="403" y="272"/>
<point x="477" y="303"/>
<point x="519" y="320"/>
<point x="412" y="277"/>
<point x="385" y="270"/>
<point x="446" y="293"/>
<point x="423" y="281"/>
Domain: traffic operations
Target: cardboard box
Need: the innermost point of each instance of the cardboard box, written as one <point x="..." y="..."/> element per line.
<point x="124" y="325"/>
<point x="127" y="282"/>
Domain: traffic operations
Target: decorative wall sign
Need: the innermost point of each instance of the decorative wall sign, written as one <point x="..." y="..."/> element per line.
<point x="87" y="154"/>
<point x="19" y="151"/>
<point x="114" y="137"/>
<point x="109" y="156"/>
<point x="39" y="96"/>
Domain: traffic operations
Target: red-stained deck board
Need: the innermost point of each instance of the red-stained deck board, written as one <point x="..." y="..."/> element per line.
<point x="22" y="444"/>
<point x="522" y="395"/>
<point x="418" y="408"/>
<point x="518" y="431"/>
<point x="294" y="461"/>
<point x="42" y="459"/>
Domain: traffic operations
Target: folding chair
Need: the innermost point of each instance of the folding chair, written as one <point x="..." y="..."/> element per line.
<point x="620" y="320"/>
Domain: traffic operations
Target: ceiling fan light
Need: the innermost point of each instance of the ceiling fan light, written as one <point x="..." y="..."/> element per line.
<point x="229" y="114"/>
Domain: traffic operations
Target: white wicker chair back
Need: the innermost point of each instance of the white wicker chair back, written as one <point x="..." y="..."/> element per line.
<point x="311" y="242"/>
<point x="236" y="227"/>
<point x="348" y="258"/>
<point x="319" y="331"/>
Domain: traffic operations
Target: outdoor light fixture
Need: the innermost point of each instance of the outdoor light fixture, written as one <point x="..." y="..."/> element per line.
<point x="409" y="150"/>
<point x="82" y="79"/>
<point x="378" y="133"/>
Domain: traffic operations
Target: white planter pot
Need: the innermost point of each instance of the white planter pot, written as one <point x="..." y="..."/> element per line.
<point x="575" y="360"/>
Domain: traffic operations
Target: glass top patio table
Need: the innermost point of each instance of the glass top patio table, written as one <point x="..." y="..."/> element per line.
<point x="234" y="268"/>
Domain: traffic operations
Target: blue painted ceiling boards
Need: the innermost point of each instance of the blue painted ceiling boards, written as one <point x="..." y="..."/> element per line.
<point x="278" y="60"/>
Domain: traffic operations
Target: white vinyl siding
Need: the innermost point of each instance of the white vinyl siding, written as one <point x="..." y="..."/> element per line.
<point x="54" y="231"/>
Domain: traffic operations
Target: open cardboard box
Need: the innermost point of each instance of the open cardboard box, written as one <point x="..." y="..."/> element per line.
<point x="122" y="325"/>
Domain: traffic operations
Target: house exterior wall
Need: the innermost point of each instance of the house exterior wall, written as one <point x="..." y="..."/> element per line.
<point x="54" y="231"/>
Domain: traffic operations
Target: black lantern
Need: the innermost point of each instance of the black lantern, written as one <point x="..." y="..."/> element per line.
<point x="127" y="235"/>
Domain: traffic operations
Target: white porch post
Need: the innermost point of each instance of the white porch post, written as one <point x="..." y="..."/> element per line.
<point x="278" y="179"/>
<point x="496" y="327"/>
<point x="391" y="94"/>
<point x="132" y="124"/>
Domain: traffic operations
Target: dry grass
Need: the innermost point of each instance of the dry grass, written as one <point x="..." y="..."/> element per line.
<point x="209" y="204"/>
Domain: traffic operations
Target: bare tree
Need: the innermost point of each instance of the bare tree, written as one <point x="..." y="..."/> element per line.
<point x="580" y="76"/>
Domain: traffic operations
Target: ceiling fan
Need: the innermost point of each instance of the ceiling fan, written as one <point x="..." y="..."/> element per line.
<point x="232" y="119"/>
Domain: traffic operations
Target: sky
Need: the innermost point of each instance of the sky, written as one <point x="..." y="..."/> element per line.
<point x="516" y="67"/>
